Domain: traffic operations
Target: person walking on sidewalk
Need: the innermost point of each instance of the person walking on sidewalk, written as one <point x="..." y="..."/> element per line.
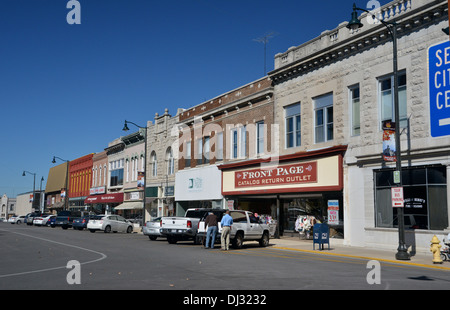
<point x="226" y="222"/>
<point x="211" y="223"/>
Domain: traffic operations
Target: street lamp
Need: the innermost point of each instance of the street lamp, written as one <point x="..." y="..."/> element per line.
<point x="66" y="198"/>
<point x="125" y="128"/>
<point x="355" y="23"/>
<point x="34" y="182"/>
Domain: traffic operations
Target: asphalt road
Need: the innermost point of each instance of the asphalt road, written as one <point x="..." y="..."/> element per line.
<point x="38" y="257"/>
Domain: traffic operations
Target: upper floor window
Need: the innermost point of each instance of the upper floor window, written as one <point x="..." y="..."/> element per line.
<point x="154" y="164"/>
<point x="355" y="110"/>
<point x="260" y="137"/>
<point x="238" y="142"/>
<point x="386" y="97"/>
<point x="293" y="125"/>
<point x="170" y="161"/>
<point x="323" y="110"/>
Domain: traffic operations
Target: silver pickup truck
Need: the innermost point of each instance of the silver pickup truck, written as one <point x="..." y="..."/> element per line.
<point x="246" y="227"/>
<point x="183" y="228"/>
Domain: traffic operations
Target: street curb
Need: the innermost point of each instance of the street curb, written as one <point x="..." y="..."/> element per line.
<point x="368" y="258"/>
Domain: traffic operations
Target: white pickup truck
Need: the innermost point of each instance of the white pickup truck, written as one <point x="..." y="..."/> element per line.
<point x="246" y="227"/>
<point x="183" y="228"/>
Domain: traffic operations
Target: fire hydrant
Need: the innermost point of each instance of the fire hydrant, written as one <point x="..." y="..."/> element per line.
<point x="436" y="250"/>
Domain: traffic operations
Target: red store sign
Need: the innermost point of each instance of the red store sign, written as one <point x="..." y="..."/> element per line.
<point x="106" y="198"/>
<point x="289" y="174"/>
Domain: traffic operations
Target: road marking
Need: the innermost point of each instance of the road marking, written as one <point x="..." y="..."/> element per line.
<point x="103" y="256"/>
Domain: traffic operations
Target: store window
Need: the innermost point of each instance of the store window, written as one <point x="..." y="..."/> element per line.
<point x="293" y="125"/>
<point x="323" y="110"/>
<point x="425" y="196"/>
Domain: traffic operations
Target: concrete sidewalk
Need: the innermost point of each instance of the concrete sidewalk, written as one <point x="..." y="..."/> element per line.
<point x="337" y="248"/>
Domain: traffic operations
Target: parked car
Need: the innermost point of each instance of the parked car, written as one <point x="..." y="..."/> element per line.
<point x="177" y="228"/>
<point x="109" y="223"/>
<point x="2" y="219"/>
<point x="64" y="219"/>
<point x="42" y="220"/>
<point x="51" y="222"/>
<point x="152" y="228"/>
<point x="80" y="223"/>
<point x="17" y="219"/>
<point x="12" y="219"/>
<point x="30" y="217"/>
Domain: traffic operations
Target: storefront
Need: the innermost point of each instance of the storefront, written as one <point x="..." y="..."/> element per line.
<point x="297" y="190"/>
<point x="198" y="188"/>
<point x="104" y="203"/>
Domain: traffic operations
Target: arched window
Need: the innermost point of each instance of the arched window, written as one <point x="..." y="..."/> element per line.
<point x="154" y="164"/>
<point x="170" y="161"/>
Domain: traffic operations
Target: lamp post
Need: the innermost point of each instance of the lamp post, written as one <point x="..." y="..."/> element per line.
<point x="125" y="128"/>
<point x="34" y="182"/>
<point x="354" y="24"/>
<point x="66" y="198"/>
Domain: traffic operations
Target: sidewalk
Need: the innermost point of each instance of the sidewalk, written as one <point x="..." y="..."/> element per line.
<point x="337" y="248"/>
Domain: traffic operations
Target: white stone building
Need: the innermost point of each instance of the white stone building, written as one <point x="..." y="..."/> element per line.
<point x="337" y="89"/>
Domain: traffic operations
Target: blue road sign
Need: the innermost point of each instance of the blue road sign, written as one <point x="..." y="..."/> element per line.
<point x="439" y="86"/>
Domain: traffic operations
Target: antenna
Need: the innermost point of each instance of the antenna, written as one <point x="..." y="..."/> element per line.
<point x="265" y="40"/>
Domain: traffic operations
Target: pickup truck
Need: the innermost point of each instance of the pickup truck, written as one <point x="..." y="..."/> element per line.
<point x="64" y="219"/>
<point x="183" y="228"/>
<point x="246" y="227"/>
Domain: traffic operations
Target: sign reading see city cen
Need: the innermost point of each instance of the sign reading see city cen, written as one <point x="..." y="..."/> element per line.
<point x="290" y="174"/>
<point x="439" y="86"/>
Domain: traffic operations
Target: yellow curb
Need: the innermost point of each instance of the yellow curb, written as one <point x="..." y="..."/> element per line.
<point x="368" y="258"/>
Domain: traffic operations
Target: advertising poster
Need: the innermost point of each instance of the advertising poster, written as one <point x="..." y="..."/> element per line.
<point x="389" y="141"/>
<point x="333" y="212"/>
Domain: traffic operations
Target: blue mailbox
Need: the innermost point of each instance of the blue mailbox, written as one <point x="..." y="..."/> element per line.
<point x="321" y="234"/>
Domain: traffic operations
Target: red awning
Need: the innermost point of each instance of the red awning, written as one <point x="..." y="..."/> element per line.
<point x="105" y="198"/>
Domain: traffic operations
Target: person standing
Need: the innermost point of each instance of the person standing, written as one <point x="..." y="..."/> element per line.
<point x="226" y="223"/>
<point x="211" y="223"/>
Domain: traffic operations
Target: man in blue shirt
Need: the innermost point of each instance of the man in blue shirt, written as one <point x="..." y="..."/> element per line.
<point x="226" y="223"/>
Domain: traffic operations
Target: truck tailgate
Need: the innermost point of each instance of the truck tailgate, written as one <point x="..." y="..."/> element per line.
<point x="173" y="222"/>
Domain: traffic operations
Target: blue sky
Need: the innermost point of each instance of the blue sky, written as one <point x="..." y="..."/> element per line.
<point x="65" y="90"/>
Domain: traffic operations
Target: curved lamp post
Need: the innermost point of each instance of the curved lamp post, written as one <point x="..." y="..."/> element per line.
<point x="66" y="198"/>
<point x="34" y="182"/>
<point x="125" y="128"/>
<point x="354" y="24"/>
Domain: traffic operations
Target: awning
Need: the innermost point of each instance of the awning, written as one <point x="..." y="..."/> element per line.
<point x="105" y="198"/>
<point x="130" y="205"/>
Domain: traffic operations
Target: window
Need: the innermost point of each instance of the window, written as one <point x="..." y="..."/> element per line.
<point x="116" y="173"/>
<point x="386" y="95"/>
<point x="170" y="161"/>
<point x="219" y="146"/>
<point x="293" y="125"/>
<point x="355" y="110"/>
<point x="425" y="196"/>
<point x="154" y="164"/>
<point x="323" y="109"/>
<point x="239" y="142"/>
<point x="187" y="154"/>
<point x="199" y="151"/>
<point x="259" y="137"/>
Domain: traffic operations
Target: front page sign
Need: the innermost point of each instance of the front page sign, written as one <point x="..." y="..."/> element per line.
<point x="288" y="174"/>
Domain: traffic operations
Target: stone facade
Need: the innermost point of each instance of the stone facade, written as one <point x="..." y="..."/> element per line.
<point x="340" y="59"/>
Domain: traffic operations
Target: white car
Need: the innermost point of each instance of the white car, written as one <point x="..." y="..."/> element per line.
<point x="42" y="220"/>
<point x="109" y="223"/>
<point x="16" y="219"/>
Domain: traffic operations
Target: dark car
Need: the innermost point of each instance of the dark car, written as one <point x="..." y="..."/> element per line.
<point x="64" y="219"/>
<point x="51" y="222"/>
<point x="80" y="223"/>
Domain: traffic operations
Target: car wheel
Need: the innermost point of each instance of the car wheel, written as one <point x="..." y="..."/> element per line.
<point x="443" y="257"/>
<point x="129" y="230"/>
<point x="152" y="237"/>
<point x="18" y="222"/>
<point x="108" y="229"/>
<point x="92" y="230"/>
<point x="238" y="240"/>
<point x="264" y="240"/>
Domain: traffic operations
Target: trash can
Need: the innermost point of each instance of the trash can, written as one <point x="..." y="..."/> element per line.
<point x="321" y="235"/>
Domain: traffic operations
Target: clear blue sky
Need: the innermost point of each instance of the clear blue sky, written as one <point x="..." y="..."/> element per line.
<point x="65" y="90"/>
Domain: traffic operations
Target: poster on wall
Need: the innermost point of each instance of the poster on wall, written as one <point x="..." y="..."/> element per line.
<point x="333" y="212"/>
<point x="389" y="141"/>
<point x="140" y="180"/>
